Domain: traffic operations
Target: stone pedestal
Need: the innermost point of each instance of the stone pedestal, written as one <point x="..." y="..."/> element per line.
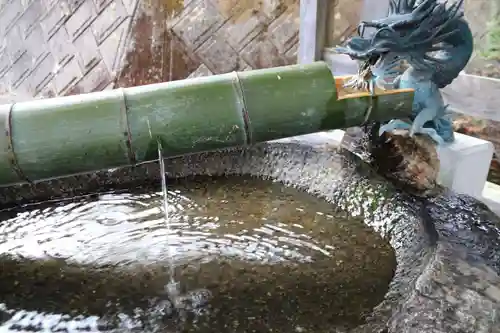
<point x="465" y="164"/>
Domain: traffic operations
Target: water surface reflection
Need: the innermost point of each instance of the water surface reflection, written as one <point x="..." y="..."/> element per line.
<point x="272" y="257"/>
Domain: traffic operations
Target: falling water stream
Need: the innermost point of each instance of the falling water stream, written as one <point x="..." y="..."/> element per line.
<point x="193" y="298"/>
<point x="172" y="286"/>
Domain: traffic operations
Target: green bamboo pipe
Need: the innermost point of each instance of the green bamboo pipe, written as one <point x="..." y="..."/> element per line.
<point x="62" y="136"/>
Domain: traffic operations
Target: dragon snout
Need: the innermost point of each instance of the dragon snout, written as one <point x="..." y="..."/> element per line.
<point x="360" y="49"/>
<point x="368" y="24"/>
<point x="355" y="47"/>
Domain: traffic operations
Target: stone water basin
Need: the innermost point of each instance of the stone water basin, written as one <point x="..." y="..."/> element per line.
<point x="340" y="278"/>
<point x="272" y="257"/>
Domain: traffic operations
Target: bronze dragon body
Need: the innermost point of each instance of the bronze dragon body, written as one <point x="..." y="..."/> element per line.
<point x="435" y="43"/>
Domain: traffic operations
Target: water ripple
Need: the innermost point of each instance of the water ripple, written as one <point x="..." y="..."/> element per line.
<point x="219" y="220"/>
<point x="229" y="238"/>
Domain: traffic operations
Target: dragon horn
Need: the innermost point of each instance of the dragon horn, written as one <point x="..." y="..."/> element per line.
<point x="402" y="5"/>
<point x="341" y="50"/>
<point x="436" y="31"/>
<point x="398" y="6"/>
<point x="392" y="7"/>
<point x="454" y="9"/>
<point x="440" y="48"/>
<point x="410" y="4"/>
<point x="425" y="7"/>
<point x="439" y="39"/>
<point x="373" y="24"/>
<point x="451" y="14"/>
<point x="434" y="59"/>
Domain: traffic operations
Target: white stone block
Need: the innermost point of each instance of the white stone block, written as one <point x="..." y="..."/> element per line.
<point x="491" y="197"/>
<point x="465" y="164"/>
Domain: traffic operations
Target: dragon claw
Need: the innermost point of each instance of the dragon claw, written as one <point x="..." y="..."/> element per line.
<point x="431" y="132"/>
<point x="359" y="83"/>
<point x="399" y="124"/>
<point x="393" y="125"/>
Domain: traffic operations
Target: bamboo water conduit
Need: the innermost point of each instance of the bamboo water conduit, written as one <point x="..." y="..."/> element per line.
<point x="63" y="136"/>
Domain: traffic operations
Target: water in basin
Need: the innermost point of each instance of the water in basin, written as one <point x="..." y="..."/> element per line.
<point x="270" y="258"/>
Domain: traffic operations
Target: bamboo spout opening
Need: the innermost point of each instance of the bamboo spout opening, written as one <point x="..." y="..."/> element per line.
<point x="348" y="93"/>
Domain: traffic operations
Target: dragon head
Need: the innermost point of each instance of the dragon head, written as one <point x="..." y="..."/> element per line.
<point x="411" y="27"/>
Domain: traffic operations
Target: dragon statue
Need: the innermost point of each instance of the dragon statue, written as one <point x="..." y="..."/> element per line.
<point x="422" y="45"/>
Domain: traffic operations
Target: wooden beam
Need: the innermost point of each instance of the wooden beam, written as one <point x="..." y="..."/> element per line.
<point x="313" y="16"/>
